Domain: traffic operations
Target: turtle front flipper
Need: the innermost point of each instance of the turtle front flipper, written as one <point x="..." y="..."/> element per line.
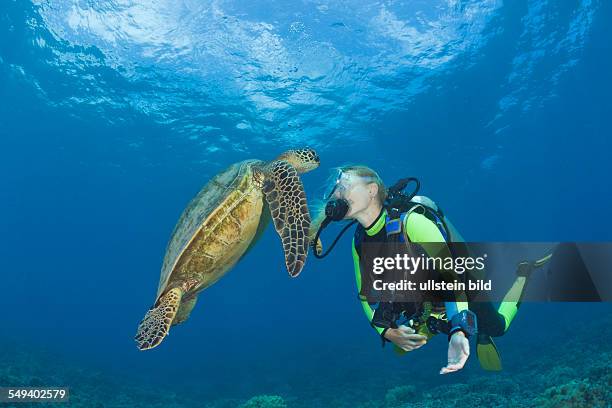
<point x="286" y="199"/>
<point x="156" y="323"/>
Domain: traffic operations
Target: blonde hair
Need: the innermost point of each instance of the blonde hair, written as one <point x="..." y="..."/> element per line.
<point x="358" y="170"/>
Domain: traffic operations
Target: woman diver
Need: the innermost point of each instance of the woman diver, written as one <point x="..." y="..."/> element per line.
<point x="386" y="217"/>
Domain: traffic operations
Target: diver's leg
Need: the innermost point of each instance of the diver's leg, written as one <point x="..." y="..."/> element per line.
<point x="495" y="322"/>
<point x="489" y="320"/>
<point x="490" y="323"/>
<point x="512" y="300"/>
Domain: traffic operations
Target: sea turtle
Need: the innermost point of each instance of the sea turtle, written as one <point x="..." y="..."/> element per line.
<point x="221" y="224"/>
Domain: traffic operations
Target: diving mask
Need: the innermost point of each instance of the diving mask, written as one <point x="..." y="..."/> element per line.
<point x="337" y="206"/>
<point x="345" y="181"/>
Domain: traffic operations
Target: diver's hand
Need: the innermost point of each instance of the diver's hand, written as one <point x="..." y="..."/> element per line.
<point x="405" y="338"/>
<point x="458" y="353"/>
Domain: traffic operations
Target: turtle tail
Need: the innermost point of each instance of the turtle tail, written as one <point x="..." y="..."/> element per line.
<point x="156" y="323"/>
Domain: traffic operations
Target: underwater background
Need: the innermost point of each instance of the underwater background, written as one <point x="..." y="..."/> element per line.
<point x="113" y="114"/>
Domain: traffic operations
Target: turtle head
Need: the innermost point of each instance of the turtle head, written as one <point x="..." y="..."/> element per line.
<point x="304" y="160"/>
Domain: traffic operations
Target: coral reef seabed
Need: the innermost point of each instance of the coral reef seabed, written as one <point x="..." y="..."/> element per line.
<point x="574" y="373"/>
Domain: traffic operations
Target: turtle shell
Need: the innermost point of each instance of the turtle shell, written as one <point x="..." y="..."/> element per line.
<point x="214" y="201"/>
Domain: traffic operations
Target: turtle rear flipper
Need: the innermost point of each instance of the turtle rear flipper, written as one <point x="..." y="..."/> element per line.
<point x="156" y="323"/>
<point x="286" y="199"/>
<point x="184" y="310"/>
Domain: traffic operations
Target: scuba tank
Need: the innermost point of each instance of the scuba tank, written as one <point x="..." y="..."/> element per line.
<point x="398" y="202"/>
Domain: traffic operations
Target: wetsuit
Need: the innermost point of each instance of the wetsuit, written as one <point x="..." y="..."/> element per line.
<point x="421" y="230"/>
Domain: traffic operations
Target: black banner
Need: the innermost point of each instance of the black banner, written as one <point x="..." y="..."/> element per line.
<point x="490" y="271"/>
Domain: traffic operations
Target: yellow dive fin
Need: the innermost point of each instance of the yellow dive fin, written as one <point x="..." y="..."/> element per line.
<point x="488" y="355"/>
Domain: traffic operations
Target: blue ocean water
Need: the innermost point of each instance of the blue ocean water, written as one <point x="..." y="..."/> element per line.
<point x="113" y="114"/>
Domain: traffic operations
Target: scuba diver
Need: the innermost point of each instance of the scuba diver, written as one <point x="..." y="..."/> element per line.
<point x="391" y="218"/>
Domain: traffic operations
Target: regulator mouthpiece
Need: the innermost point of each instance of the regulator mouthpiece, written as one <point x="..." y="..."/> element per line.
<point x="336" y="210"/>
